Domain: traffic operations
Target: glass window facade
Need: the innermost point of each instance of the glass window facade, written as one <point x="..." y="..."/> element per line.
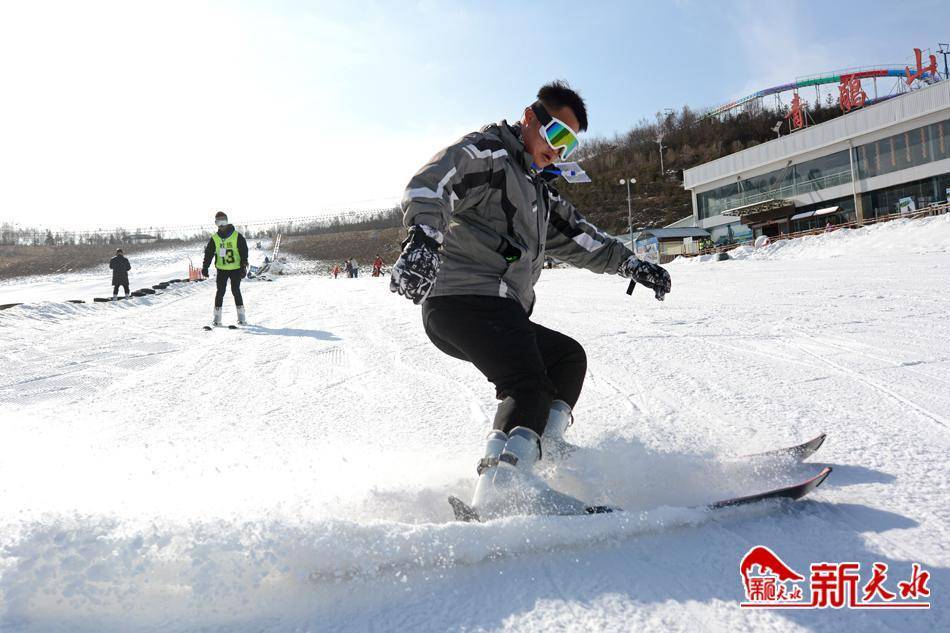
<point x="924" y="192"/>
<point x="900" y="151"/>
<point x="813" y="175"/>
<point x="907" y="149"/>
<point x="844" y="214"/>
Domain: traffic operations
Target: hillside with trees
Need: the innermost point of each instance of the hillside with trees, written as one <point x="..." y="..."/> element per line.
<point x="688" y="141"/>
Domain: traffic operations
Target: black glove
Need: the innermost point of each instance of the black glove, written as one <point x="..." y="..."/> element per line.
<point x="414" y="273"/>
<point x="648" y="274"/>
<point x="204" y="272"/>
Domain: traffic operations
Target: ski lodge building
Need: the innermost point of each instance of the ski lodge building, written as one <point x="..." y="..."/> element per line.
<point x="890" y="157"/>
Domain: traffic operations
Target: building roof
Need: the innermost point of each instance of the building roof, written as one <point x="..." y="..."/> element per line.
<point x="875" y="117"/>
<point x="662" y="234"/>
<point x="681" y="223"/>
<point x="758" y="207"/>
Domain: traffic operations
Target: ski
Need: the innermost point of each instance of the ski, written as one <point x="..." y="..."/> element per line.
<point x="208" y="328"/>
<point x="468" y="514"/>
<point x="795" y="491"/>
<point x="800" y="452"/>
<point x="463" y="511"/>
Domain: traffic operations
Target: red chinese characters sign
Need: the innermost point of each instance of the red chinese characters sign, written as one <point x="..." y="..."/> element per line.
<point x="930" y="69"/>
<point x="851" y="95"/>
<point x="796" y="115"/>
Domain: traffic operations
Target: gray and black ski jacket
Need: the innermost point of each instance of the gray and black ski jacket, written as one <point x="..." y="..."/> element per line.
<point x="500" y="218"/>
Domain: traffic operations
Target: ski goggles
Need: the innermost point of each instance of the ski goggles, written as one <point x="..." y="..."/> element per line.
<point x="221" y="222"/>
<point x="556" y="132"/>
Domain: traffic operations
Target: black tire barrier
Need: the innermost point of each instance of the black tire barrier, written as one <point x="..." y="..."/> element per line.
<point x="102" y="300"/>
<point x="75" y="301"/>
<point x="722" y="257"/>
<point x="160" y="286"/>
<point x="144" y="291"/>
<point x="9" y="305"/>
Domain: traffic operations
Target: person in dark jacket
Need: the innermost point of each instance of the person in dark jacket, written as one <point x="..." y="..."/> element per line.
<point x="120" y="273"/>
<point x="482" y="215"/>
<point x="228" y="249"/>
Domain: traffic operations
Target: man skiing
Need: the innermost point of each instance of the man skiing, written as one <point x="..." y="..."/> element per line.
<point x="481" y="216"/>
<point x="120" y="273"/>
<point x="228" y="249"/>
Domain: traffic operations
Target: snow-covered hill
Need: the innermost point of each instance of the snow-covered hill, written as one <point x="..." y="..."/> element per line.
<point x="148" y="268"/>
<point x="292" y="476"/>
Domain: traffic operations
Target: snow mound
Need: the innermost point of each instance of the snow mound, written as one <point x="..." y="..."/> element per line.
<point x="92" y="572"/>
<point x="95" y="570"/>
<point x="898" y="237"/>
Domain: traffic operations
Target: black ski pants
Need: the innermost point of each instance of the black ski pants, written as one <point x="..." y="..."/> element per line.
<point x="234" y="276"/>
<point x="529" y="364"/>
<point x="122" y="284"/>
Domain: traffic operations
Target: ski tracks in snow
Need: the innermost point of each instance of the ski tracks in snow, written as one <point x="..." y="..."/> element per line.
<point x="303" y="462"/>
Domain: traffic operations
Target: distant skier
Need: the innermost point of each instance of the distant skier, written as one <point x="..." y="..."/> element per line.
<point x="228" y="249"/>
<point x="354" y="269"/>
<point x="481" y="217"/>
<point x="120" y="273"/>
<point x="377" y="266"/>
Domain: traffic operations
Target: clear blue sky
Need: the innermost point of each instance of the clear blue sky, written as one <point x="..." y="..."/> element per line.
<point x="122" y="112"/>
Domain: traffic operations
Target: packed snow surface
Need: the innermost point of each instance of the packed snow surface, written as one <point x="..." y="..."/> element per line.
<point x="293" y="475"/>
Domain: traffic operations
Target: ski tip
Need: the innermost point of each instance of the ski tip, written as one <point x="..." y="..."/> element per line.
<point x="820" y="477"/>
<point x="809" y="485"/>
<point x="207" y="328"/>
<point x="232" y="327"/>
<point x="809" y="448"/>
<point x="463" y="511"/>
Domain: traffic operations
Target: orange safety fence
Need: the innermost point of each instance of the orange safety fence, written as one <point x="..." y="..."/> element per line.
<point x="194" y="274"/>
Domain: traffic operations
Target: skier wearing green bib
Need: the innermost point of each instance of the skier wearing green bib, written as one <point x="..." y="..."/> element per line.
<point x="228" y="249"/>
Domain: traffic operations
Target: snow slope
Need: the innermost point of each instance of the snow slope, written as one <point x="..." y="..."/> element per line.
<point x="148" y="268"/>
<point x="292" y="476"/>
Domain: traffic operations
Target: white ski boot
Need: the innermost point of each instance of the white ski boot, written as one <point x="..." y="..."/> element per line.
<point x="553" y="446"/>
<point x="217" y="317"/>
<point x="516" y="489"/>
<point x="242" y="317"/>
<point x="487" y="466"/>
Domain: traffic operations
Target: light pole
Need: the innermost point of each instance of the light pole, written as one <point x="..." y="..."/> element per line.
<point x="659" y="141"/>
<point x="628" y="182"/>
